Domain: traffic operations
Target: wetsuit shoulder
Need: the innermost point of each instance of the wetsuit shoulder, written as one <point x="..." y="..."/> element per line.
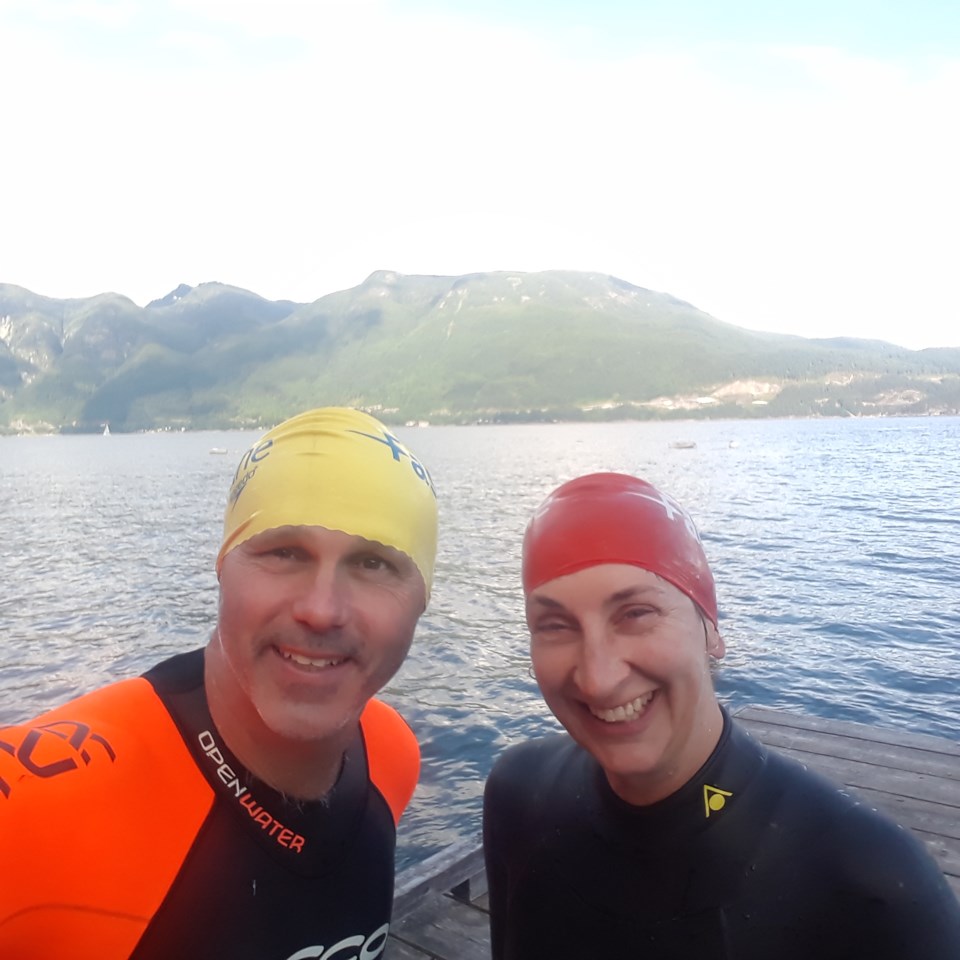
<point x="871" y="882"/>
<point x="80" y="783"/>
<point x="525" y="776"/>
<point x="521" y="788"/>
<point x="393" y="755"/>
<point x="531" y="760"/>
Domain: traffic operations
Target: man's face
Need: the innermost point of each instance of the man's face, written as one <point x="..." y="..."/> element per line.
<point x="312" y="623"/>
<point x="622" y="659"/>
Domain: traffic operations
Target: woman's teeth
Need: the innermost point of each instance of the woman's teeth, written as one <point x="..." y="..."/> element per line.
<point x="626" y="711"/>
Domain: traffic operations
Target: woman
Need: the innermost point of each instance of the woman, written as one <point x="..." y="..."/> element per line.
<point x="655" y="827"/>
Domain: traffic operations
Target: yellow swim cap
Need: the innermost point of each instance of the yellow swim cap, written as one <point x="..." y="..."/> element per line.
<point x="336" y="468"/>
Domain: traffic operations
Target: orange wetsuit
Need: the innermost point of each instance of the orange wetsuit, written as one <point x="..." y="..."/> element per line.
<point x="130" y="830"/>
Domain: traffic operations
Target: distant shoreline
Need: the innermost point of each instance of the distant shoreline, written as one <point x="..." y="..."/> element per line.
<point x="69" y="431"/>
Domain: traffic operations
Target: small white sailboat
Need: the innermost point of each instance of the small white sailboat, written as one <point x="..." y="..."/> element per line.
<point x="106" y="429"/>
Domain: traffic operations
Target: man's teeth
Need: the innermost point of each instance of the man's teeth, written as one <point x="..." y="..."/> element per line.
<point x="626" y="711"/>
<point x="310" y="661"/>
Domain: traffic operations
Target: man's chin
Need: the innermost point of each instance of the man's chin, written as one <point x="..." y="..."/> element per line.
<point x="308" y="723"/>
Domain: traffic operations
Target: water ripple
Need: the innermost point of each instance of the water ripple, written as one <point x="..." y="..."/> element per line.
<point x="834" y="543"/>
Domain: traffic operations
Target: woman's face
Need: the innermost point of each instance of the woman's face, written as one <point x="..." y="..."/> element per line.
<point x="622" y="659"/>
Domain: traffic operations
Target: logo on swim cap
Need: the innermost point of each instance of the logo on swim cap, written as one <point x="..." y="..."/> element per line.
<point x="399" y="451"/>
<point x="336" y="468"/>
<point x="616" y="518"/>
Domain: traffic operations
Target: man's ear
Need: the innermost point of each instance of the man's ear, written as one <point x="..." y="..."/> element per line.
<point x="716" y="648"/>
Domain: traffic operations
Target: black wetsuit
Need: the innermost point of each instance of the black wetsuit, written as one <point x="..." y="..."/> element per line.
<point x="755" y="859"/>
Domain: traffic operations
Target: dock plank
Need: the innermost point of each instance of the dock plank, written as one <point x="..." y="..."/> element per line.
<point x="867" y="775"/>
<point x="443" y="926"/>
<point x="844" y="747"/>
<point x="850" y="728"/>
<point x="453" y="869"/>
<point x="398" y="950"/>
<point x="914" y="778"/>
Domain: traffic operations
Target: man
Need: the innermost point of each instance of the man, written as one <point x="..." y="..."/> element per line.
<point x="241" y="801"/>
<point x="658" y="828"/>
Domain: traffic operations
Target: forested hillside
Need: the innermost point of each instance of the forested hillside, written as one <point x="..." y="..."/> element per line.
<point x="483" y="347"/>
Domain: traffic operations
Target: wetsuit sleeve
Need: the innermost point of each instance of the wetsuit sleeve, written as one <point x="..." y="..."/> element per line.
<point x="502" y="840"/>
<point x="891" y="890"/>
<point x="496" y="878"/>
<point x="393" y="755"/>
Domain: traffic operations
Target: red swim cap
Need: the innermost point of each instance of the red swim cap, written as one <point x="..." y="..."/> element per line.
<point x="616" y="518"/>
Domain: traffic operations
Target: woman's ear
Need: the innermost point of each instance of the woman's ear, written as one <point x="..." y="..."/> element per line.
<point x="715" y="645"/>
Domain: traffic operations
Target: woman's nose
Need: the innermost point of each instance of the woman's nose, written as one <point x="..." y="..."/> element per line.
<point x="600" y="668"/>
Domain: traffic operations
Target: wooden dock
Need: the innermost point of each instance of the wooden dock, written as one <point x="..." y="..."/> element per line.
<point x="440" y="907"/>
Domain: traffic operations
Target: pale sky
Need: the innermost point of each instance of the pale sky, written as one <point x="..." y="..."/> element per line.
<point x="791" y="167"/>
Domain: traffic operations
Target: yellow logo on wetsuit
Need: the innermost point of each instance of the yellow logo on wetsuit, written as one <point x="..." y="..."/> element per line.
<point x="714" y="799"/>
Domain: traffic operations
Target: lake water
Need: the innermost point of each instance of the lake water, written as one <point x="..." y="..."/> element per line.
<point x="834" y="544"/>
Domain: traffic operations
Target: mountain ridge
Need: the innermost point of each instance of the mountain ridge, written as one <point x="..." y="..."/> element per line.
<point x="500" y="346"/>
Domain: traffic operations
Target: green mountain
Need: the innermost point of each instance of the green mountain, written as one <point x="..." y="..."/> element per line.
<point x="482" y="347"/>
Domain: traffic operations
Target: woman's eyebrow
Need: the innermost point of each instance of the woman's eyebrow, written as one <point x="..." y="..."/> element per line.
<point x="547" y="602"/>
<point x="627" y="593"/>
<point x="631" y="593"/>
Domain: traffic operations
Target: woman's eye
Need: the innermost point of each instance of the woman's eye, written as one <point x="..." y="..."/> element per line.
<point x="637" y="613"/>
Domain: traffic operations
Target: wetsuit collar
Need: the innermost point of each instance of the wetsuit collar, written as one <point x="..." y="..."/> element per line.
<point x="307" y="836"/>
<point x="709" y="796"/>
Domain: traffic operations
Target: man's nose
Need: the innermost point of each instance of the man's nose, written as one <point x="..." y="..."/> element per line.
<point x="322" y="603"/>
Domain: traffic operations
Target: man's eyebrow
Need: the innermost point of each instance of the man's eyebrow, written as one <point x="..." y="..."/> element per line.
<point x="270" y="535"/>
<point x="399" y="558"/>
<point x="363" y="545"/>
<point x="285" y="531"/>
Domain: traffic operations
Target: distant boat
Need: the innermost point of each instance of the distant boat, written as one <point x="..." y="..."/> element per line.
<point x="218" y="449"/>
<point x="106" y="429"/>
<point x="682" y="445"/>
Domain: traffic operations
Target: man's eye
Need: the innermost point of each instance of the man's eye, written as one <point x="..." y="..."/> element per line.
<point x="284" y="553"/>
<point x="373" y="562"/>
